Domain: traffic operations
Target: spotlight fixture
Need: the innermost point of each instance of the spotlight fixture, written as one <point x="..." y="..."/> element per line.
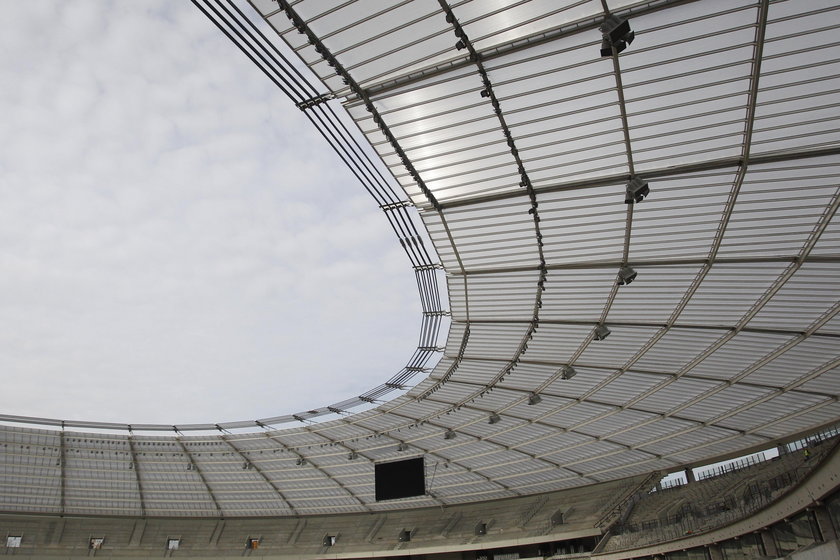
<point x="460" y="45"/>
<point x="329" y="540"/>
<point x="602" y="332"/>
<point x="606" y="46"/>
<point x="449" y="434"/>
<point x="403" y="446"/>
<point x="567" y="372"/>
<point x="626" y="275"/>
<point x="300" y="462"/>
<point x="485" y="93"/>
<point x="494" y="419"/>
<point x="533" y="399"/>
<point x="352" y="456"/>
<point x="616" y="33"/>
<point x="481" y="529"/>
<point x="637" y="190"/>
<point x="405" y="535"/>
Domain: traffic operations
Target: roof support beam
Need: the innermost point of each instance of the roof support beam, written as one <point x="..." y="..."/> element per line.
<point x="682" y="262"/>
<point x="626" y="324"/>
<point x="308" y="460"/>
<point x="658" y="373"/>
<point x="581" y="26"/>
<point x="62" y="463"/>
<point x="197" y="469"/>
<point x="252" y="465"/>
<point x="136" y="468"/>
<point x="709" y="165"/>
<point x="539" y="421"/>
<point x="469" y="469"/>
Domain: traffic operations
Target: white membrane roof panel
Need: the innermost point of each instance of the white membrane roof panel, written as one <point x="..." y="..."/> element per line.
<point x="697" y="121"/>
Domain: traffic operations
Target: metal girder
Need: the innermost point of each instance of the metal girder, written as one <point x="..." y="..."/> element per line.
<point x="197" y="469"/>
<point x="582" y="26"/>
<point x="676" y="262"/>
<point x="136" y="469"/>
<point x="657" y="173"/>
<point x="255" y="466"/>
<point x="63" y="465"/>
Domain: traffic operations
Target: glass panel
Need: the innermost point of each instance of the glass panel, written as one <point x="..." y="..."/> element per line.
<point x="798" y="532"/>
<point x="833" y="505"/>
<point x="699" y="553"/>
<point x="747" y="547"/>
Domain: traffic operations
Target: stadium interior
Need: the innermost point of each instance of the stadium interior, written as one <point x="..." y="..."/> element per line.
<point x="622" y="220"/>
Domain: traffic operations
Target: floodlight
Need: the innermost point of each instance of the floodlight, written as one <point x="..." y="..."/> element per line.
<point x="626" y="275"/>
<point x="329" y="540"/>
<point x="615" y="28"/>
<point x="616" y="33"/>
<point x="449" y="434"/>
<point x="494" y="419"/>
<point x="620" y="46"/>
<point x="300" y="462"/>
<point x="533" y="399"/>
<point x="637" y="190"/>
<point x="481" y="529"/>
<point x="405" y="535"/>
<point x="352" y="456"/>
<point x="606" y="46"/>
<point x="602" y="332"/>
<point x="403" y="446"/>
<point x="567" y="372"/>
<point x="460" y="45"/>
<point x="485" y="93"/>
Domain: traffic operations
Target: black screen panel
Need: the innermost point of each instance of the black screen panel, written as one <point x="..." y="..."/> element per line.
<point x="400" y="479"/>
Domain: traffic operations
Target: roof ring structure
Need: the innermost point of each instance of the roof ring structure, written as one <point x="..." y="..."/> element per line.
<point x="517" y="150"/>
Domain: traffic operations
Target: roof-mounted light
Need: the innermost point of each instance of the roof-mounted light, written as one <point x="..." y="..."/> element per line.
<point x="615" y="34"/>
<point x="626" y="275"/>
<point x="637" y="190"/>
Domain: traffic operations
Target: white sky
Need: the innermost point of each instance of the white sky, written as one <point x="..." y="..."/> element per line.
<point x="177" y="243"/>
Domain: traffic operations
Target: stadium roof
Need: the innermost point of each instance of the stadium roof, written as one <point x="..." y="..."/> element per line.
<point x="515" y="140"/>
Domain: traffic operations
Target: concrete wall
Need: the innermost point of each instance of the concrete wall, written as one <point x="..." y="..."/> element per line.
<point x="824" y="551"/>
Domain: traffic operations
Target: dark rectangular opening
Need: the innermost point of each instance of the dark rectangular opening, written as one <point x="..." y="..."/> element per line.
<point x="400" y="479"/>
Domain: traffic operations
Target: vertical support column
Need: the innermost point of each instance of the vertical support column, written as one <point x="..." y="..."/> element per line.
<point x="715" y="552"/>
<point x="824" y="523"/>
<point x="769" y="543"/>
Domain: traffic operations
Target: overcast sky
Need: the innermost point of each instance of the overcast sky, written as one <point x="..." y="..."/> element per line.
<point x="177" y="243"/>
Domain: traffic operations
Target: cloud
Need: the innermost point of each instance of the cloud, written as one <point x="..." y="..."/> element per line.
<point x="178" y="244"/>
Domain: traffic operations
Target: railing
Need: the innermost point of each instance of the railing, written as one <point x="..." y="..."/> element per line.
<point x="812" y="440"/>
<point x="692" y="519"/>
<point x="674" y="483"/>
<point x="731" y="467"/>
